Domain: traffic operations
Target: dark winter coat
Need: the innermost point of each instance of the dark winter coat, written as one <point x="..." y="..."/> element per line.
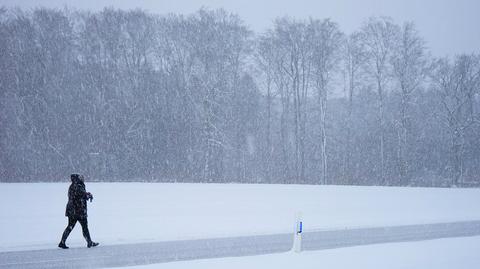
<point x="77" y="199"/>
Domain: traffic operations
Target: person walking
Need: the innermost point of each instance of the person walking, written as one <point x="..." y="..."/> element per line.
<point x="77" y="210"/>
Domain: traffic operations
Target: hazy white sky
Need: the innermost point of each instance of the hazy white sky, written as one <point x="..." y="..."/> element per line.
<point x="449" y="26"/>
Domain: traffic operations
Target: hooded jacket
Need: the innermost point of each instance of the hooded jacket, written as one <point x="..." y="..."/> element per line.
<point x="77" y="199"/>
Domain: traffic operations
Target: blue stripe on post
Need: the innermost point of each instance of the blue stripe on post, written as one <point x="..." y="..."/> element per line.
<point x="300" y="230"/>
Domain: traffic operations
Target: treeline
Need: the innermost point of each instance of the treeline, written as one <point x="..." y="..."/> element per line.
<point x="129" y="95"/>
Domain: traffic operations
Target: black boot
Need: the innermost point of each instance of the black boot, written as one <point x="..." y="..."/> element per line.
<point x="92" y="244"/>
<point x="62" y="245"/>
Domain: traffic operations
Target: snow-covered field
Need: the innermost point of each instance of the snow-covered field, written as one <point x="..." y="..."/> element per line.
<point x="458" y="253"/>
<point x="32" y="215"/>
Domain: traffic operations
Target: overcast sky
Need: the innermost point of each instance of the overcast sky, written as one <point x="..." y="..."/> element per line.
<point x="449" y="26"/>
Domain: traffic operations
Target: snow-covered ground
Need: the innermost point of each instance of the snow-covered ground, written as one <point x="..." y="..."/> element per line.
<point x="447" y="253"/>
<point x="32" y="215"/>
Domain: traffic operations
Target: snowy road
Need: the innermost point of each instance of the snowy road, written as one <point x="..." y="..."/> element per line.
<point x="148" y="253"/>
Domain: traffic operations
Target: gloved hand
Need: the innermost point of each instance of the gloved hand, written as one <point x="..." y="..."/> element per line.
<point x="89" y="197"/>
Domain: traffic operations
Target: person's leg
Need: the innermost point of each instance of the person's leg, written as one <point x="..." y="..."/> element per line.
<point x="71" y="224"/>
<point x="86" y="233"/>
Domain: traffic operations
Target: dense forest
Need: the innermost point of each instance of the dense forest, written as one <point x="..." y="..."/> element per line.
<point x="128" y="95"/>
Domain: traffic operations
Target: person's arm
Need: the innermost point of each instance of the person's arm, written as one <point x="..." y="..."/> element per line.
<point x="86" y="195"/>
<point x="89" y="196"/>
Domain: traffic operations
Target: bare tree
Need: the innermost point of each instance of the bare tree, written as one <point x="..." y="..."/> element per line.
<point x="265" y="58"/>
<point x="457" y="83"/>
<point x="271" y="48"/>
<point x="379" y="34"/>
<point x="325" y="38"/>
<point x="409" y="61"/>
<point x="353" y="56"/>
<point x="294" y="43"/>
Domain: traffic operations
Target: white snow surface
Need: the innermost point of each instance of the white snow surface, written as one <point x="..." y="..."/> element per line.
<point x="32" y="214"/>
<point x="446" y="253"/>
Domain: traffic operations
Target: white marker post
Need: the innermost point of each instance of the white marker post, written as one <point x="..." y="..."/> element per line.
<point x="297" y="237"/>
